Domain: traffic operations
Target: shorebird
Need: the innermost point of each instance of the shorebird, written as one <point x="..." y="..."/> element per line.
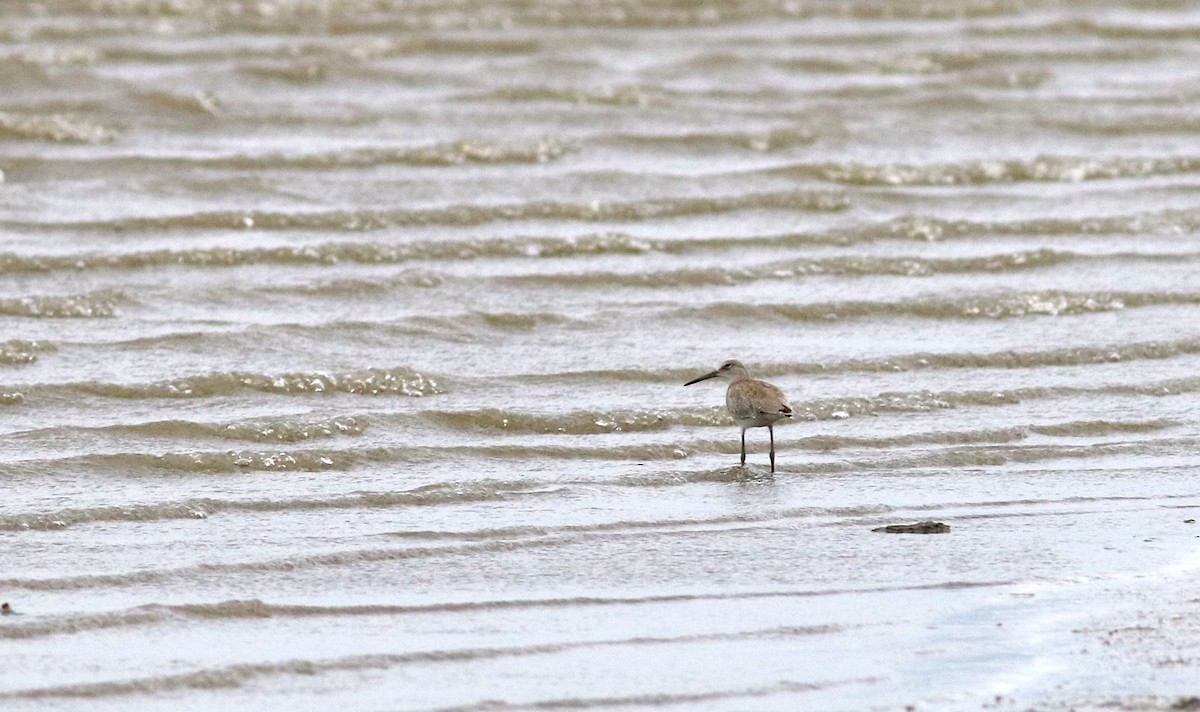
<point x="752" y="403"/>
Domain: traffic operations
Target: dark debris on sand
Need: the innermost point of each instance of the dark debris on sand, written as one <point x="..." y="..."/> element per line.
<point x="927" y="527"/>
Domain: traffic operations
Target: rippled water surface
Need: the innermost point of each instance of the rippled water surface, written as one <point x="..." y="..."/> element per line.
<point x="343" y="346"/>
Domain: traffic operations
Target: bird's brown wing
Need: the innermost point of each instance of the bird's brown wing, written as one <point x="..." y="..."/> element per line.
<point x="751" y="398"/>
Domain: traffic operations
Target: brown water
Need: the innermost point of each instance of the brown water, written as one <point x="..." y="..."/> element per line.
<point x="342" y="349"/>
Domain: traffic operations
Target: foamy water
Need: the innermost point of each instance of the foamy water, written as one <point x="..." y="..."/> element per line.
<point x="343" y="346"/>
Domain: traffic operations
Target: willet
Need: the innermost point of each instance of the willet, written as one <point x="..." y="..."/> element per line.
<point x="752" y="403"/>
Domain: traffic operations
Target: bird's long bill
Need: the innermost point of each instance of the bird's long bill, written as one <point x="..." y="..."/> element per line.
<point x="705" y="377"/>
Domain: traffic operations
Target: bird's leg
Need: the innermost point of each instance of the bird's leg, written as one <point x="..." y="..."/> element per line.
<point x="771" y="430"/>
<point x="743" y="446"/>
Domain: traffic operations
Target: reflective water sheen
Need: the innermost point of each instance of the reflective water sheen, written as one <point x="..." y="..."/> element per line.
<point x="342" y="347"/>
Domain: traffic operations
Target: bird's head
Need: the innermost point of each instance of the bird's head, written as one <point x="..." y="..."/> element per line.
<point x="729" y="371"/>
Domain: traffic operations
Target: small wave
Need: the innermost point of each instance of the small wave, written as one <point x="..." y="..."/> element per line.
<point x="454" y="154"/>
<point x="965" y="458"/>
<point x="997" y="455"/>
<point x="663" y="525"/>
<point x="933" y="229"/>
<point x="766" y="141"/>
<point x="1086" y="428"/>
<point x="441" y="44"/>
<point x="658" y="699"/>
<point x="421" y="279"/>
<point x="371" y="381"/>
<point x="1043" y="169"/>
<point x="432" y="495"/>
<point x="998" y="306"/>
<point x="339" y="252"/>
<point x="255" y="608"/>
<point x="49" y="55"/>
<point x="578" y="422"/>
<point x="464" y="215"/>
<point x="460" y="153"/>
<point x="319" y="460"/>
<point x="958" y="61"/>
<point x="650" y="420"/>
<point x="1126" y="124"/>
<point x="286" y="429"/>
<point x="1075" y="356"/>
<point x="223" y="462"/>
<point x="315" y="59"/>
<point x="584" y="422"/>
<point x="52" y="127"/>
<point x="197" y="102"/>
<point x="69" y="625"/>
<point x="912" y="227"/>
<point x="201" y="508"/>
<point x="1107" y="29"/>
<point x="1008" y="78"/>
<point x="836" y="409"/>
<point x="17" y="351"/>
<point x="1092" y="428"/>
<point x="720" y="475"/>
<point x="349" y="557"/>
<point x="1072" y="356"/>
<point x="641" y="453"/>
<point x="343" y="558"/>
<point x="927" y="401"/>
<point x="72" y="306"/>
<point x="298" y="71"/>
<point x="235" y="676"/>
<point x="970" y="70"/>
<point x="449" y="154"/>
<point x="842" y="265"/>
<point x="615" y="95"/>
<point x="443" y="15"/>
<point x="475" y="321"/>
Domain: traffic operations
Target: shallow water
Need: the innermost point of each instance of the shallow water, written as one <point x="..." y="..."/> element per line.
<point x="343" y="345"/>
